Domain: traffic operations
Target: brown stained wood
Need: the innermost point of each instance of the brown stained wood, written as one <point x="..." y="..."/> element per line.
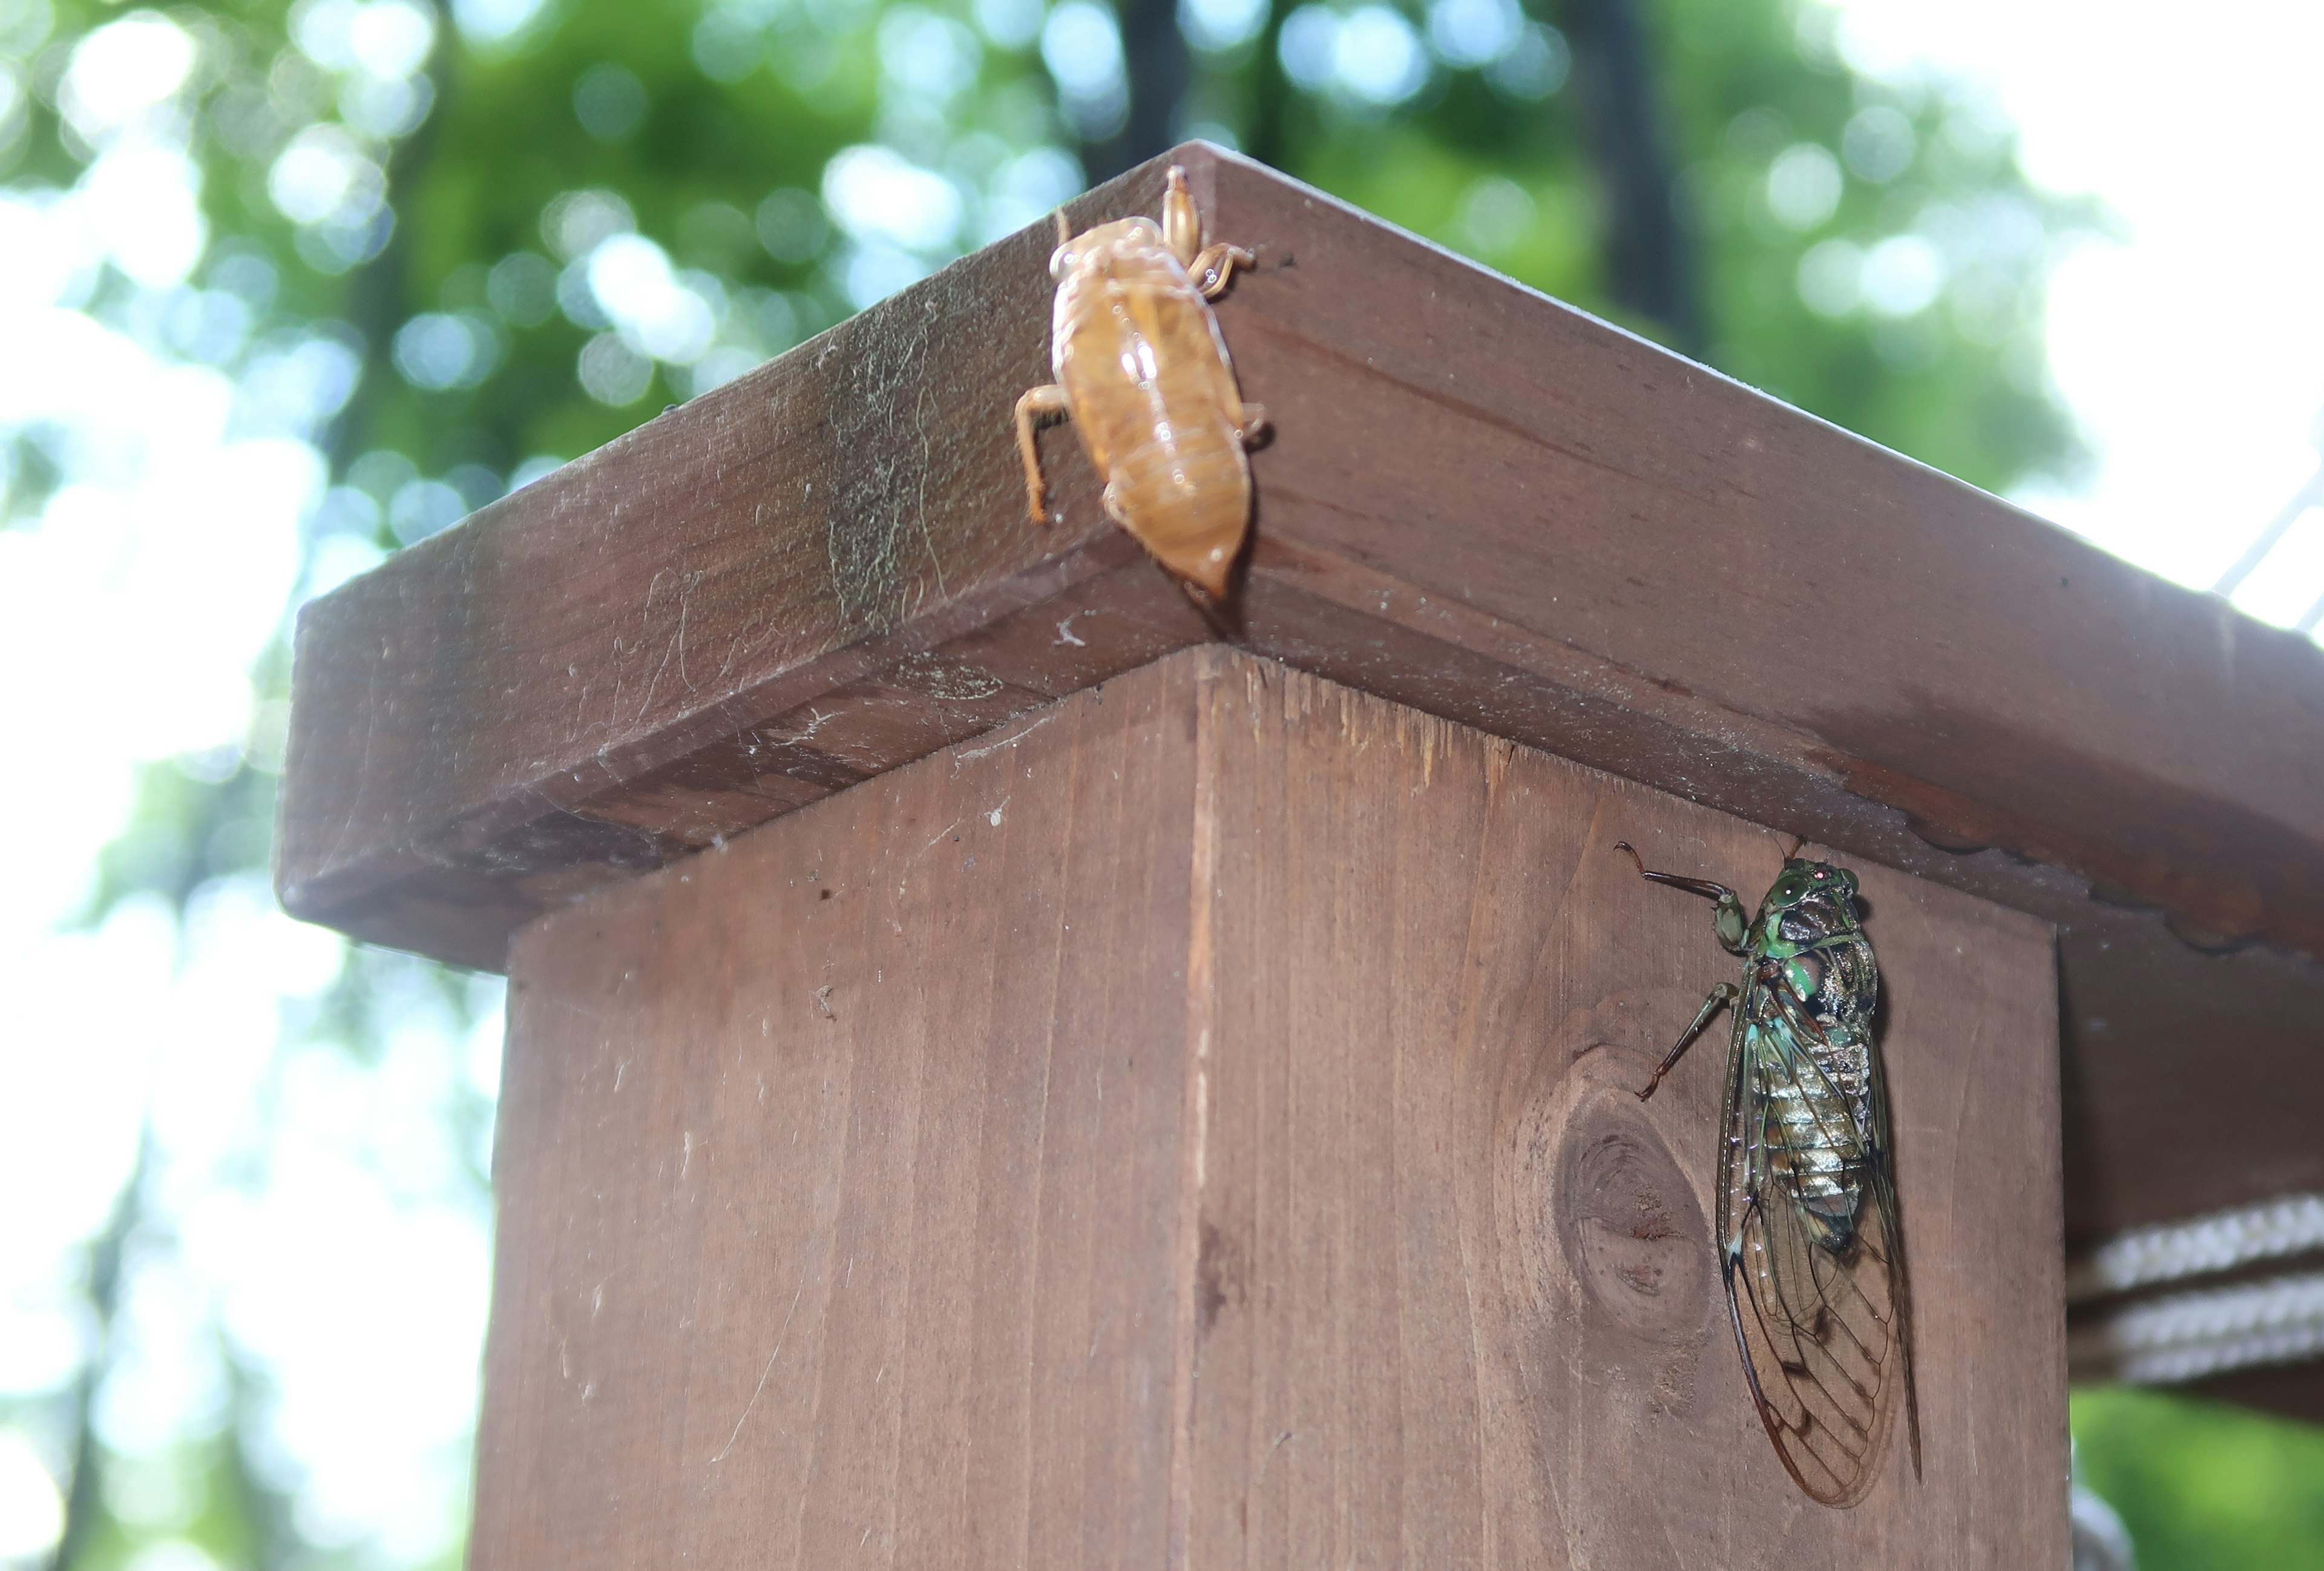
<point x="1476" y="502"/>
<point x="1223" y="1154"/>
<point x="2294" y="1392"/>
<point x="1460" y="1288"/>
<point x="838" y="1177"/>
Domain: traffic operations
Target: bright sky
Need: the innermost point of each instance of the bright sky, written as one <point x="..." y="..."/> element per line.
<point x="2192" y="352"/>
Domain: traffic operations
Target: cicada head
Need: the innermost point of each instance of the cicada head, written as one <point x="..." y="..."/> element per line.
<point x="1098" y="250"/>
<point x="1808" y="901"/>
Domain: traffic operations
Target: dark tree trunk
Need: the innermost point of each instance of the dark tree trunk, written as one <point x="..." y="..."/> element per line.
<point x="83" y="1505"/>
<point x="1266" y="135"/>
<point x="1650" y="262"/>
<point x="1154" y="52"/>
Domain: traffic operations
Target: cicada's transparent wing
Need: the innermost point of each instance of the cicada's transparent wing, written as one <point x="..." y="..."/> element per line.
<point x="1822" y="1332"/>
<point x="1884" y="1170"/>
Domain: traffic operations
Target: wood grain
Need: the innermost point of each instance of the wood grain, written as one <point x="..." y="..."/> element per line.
<point x="1499" y="477"/>
<point x="1222" y="1154"/>
<point x="1477" y="503"/>
<point x="838" y="1179"/>
<point x="1464" y="1297"/>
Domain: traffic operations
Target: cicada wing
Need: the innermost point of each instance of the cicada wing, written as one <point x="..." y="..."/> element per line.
<point x="1821" y="1332"/>
<point x="1883" y="1193"/>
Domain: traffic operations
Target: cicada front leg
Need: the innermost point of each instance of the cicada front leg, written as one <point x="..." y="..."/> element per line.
<point x="1182" y="225"/>
<point x="1730" y="922"/>
<point x="1212" y="267"/>
<point x="1181" y="231"/>
<point x="1038" y="403"/>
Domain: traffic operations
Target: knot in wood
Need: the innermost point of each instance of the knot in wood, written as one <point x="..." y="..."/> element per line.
<point x="1633" y="1234"/>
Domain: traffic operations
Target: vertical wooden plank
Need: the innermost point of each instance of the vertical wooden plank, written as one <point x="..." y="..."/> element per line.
<point x="1458" y="1300"/>
<point x="840" y="1177"/>
<point x="1196" y="1126"/>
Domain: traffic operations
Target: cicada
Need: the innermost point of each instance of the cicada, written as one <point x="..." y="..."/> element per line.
<point x="1142" y="371"/>
<point x="1809" y="1245"/>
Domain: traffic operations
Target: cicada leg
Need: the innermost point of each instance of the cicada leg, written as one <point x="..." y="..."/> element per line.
<point x="1031" y="409"/>
<point x="1182" y="232"/>
<point x="1251" y="424"/>
<point x="1215" y="265"/>
<point x="1182" y="223"/>
<point x="1730" y="922"/>
<point x="1724" y="993"/>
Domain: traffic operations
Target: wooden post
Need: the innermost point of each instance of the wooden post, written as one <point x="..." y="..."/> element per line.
<point x="1475" y="502"/>
<point x="1006" y="1069"/>
<point x="1197" y="1126"/>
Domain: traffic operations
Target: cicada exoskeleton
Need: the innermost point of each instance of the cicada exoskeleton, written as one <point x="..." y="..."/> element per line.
<point x="1142" y="371"/>
<point x="1810" y="1244"/>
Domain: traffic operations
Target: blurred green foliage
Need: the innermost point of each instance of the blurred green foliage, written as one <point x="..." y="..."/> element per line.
<point x="1867" y="249"/>
<point x="1792" y="174"/>
<point x="2203" y="1486"/>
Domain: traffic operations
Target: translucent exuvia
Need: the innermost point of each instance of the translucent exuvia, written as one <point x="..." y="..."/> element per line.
<point x="1142" y="371"/>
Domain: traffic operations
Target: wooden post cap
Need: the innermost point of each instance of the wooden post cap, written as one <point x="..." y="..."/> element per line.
<point x="1476" y="502"/>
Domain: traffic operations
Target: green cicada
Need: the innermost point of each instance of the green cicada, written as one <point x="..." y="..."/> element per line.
<point x="1809" y="1242"/>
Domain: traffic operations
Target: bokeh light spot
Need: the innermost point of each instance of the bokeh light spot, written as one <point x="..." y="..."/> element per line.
<point x="1803" y="186"/>
<point x="442" y="349"/>
<point x="875" y="193"/>
<point x="1494" y="216"/>
<point x="32" y="1511"/>
<point x="1902" y="276"/>
<point x="1878" y="143"/>
<point x="1081" y="43"/>
<point x="392" y="38"/>
<point x="1377" y="56"/>
<point x="1220" y="26"/>
<point x="1469" y="33"/>
<point x="656" y="314"/>
<point x="613" y="372"/>
<point x="1832" y="277"/>
<point x="609" y="101"/>
<point x="927" y="57"/>
<point x="1535" y="65"/>
<point x="790" y="224"/>
<point x="122" y="70"/>
<point x="522" y="287"/>
<point x="322" y="176"/>
<point x="424" y="507"/>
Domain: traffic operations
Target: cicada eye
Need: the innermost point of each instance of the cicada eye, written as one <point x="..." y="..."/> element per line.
<point x="1061" y="259"/>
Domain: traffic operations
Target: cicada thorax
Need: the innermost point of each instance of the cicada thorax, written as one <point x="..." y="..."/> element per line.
<point x="1138" y="353"/>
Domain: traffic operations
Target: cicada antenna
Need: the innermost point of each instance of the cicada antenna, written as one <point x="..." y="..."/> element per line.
<point x="1702" y="886"/>
<point x="1794" y="853"/>
<point x="1064" y="231"/>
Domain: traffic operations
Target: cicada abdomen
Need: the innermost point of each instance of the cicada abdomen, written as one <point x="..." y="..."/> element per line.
<point x="1142" y="371"/>
<point x="1810" y="1244"/>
